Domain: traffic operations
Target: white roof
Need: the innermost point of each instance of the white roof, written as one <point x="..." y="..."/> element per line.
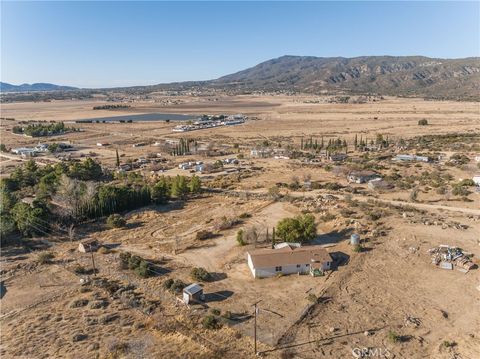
<point x="192" y="289"/>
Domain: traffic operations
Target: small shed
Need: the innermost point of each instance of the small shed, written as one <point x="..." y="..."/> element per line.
<point x="193" y="293"/>
<point x="88" y="245"/>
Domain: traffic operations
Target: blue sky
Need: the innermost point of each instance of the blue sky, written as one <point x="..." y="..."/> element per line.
<point x="103" y="44"/>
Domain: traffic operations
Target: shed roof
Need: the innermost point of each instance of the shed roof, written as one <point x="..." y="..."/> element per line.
<point x="192" y="289"/>
<point x="263" y="258"/>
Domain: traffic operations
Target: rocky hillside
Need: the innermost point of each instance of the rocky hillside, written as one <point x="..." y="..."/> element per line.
<point x="386" y="75"/>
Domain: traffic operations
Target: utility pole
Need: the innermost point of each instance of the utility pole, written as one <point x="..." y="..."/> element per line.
<point x="93" y="264"/>
<point x="255" y="326"/>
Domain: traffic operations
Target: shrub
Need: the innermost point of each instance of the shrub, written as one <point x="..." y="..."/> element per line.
<point x="422" y="122"/>
<point x="203" y="235"/>
<point x="227" y="223"/>
<point x="245" y="215"/>
<point x="358" y="248"/>
<point x="215" y="311"/>
<point x="312" y="298"/>
<point x="240" y="239"/>
<point x="375" y="216"/>
<point x="449" y="344"/>
<point x="210" y="322"/>
<point x="177" y="286"/>
<point x="393" y="337"/>
<point x="124" y="259"/>
<point x="116" y="221"/>
<point x="460" y="191"/>
<point x="200" y="274"/>
<point x="134" y="261"/>
<point x="168" y="283"/>
<point x="332" y="186"/>
<point x="327" y="217"/>
<point x="274" y="193"/>
<point x="143" y="269"/>
<point x="45" y="258"/>
<point x="228" y="315"/>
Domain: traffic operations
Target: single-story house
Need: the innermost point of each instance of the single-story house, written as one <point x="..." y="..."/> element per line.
<point x="338" y="157"/>
<point x="288" y="260"/>
<point x="88" y="245"/>
<point x="262" y="153"/>
<point x="411" y="158"/>
<point x="193" y="293"/>
<point x="362" y="176"/>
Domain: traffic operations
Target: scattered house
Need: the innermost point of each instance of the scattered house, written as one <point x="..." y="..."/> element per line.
<point x="362" y="176"/>
<point x="476" y="179"/>
<point x="379" y="184"/>
<point x="88" y="245"/>
<point x="140" y="144"/>
<point x="411" y="158"/>
<point x="25" y="151"/>
<point x="477" y="158"/>
<point x="193" y="293"/>
<point x="102" y="144"/>
<point x="337" y="157"/>
<point x="260" y="153"/>
<point x="232" y="161"/>
<point x="288" y="259"/>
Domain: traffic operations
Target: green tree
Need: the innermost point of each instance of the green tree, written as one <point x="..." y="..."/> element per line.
<point x="299" y="229"/>
<point x="160" y="191"/>
<point x="179" y="187"/>
<point x="117" y="158"/>
<point x="30" y="220"/>
<point x="195" y="184"/>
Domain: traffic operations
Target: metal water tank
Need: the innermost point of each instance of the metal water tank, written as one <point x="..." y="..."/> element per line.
<point x="355" y="239"/>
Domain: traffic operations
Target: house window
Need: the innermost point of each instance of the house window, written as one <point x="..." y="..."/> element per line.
<point x="278" y="269"/>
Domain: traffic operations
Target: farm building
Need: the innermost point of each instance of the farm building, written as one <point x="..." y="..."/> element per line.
<point x="412" y="158"/>
<point x="288" y="260"/>
<point x="362" y="176"/>
<point x="88" y="245"/>
<point x="193" y="293"/>
<point x="338" y="157"/>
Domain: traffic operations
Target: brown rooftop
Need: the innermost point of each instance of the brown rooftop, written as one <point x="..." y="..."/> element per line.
<point x="263" y="258"/>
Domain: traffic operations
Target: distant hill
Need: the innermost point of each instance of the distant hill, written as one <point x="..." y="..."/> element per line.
<point x="386" y="75"/>
<point x="6" y="87"/>
<point x="414" y="76"/>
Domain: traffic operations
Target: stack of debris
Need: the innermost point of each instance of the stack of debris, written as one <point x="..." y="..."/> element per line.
<point x="446" y="257"/>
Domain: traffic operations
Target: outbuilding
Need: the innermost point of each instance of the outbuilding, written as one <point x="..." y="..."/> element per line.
<point x="88" y="245"/>
<point x="193" y="293"/>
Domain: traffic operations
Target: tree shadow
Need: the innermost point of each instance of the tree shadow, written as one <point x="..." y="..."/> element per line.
<point x="20" y="248"/>
<point x="339" y="259"/>
<point x="333" y="237"/>
<point x="217" y="276"/>
<point x="218" y="296"/>
<point x="134" y="225"/>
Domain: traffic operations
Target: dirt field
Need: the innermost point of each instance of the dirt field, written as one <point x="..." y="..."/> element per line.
<point x="390" y="287"/>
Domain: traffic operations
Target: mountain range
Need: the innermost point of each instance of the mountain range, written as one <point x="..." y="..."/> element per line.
<point x="386" y="75"/>
<point x="6" y="87"/>
<point x="415" y="76"/>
